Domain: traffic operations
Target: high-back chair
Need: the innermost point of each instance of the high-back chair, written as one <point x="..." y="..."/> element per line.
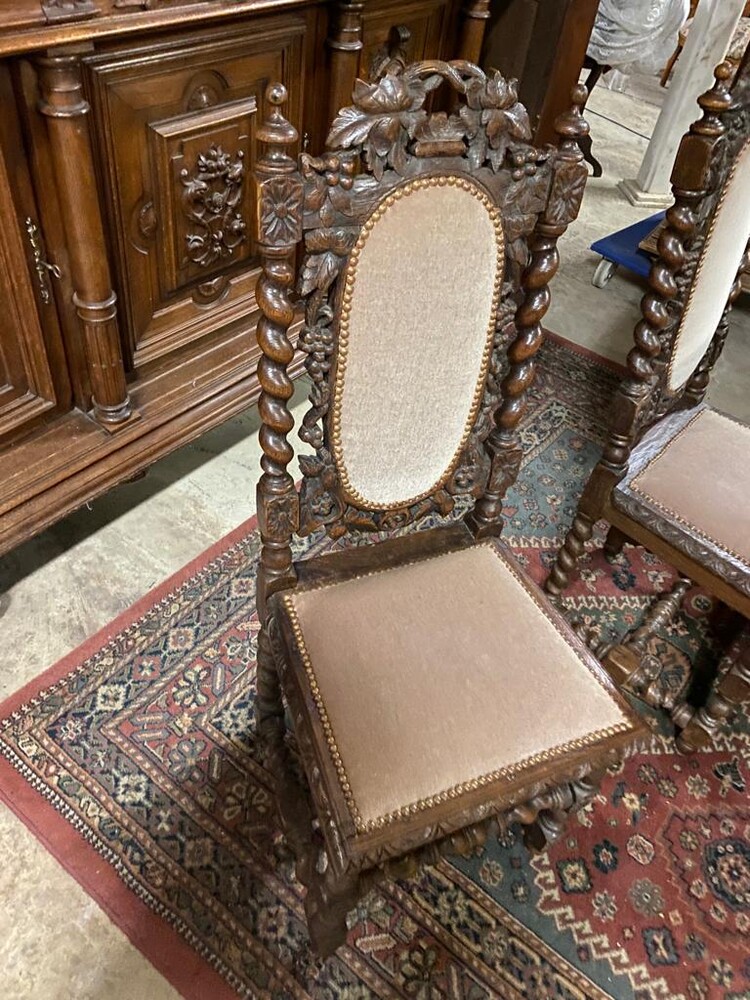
<point x="675" y="473"/>
<point x="432" y="688"/>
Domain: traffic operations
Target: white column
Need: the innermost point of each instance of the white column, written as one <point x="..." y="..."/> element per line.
<point x="707" y="43"/>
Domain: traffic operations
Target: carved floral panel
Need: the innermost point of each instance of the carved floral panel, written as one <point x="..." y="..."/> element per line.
<point x="204" y="194"/>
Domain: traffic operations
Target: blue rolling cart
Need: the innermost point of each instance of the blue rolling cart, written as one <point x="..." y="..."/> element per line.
<point x="621" y="248"/>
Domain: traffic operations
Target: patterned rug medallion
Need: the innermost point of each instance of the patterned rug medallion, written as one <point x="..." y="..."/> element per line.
<point x="136" y="762"/>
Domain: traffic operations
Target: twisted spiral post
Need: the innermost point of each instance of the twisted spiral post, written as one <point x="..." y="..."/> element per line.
<point x="564" y="200"/>
<point x="279" y="220"/>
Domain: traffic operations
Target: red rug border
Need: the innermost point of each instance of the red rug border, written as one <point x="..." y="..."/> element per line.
<point x="182" y="966"/>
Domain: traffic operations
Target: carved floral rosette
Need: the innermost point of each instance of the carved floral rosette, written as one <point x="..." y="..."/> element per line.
<point x="386" y="137"/>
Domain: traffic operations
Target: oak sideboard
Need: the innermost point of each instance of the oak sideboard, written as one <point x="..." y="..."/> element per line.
<point x="127" y="258"/>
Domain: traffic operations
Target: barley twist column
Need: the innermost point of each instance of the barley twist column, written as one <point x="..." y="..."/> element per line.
<point x="566" y="190"/>
<point x="279" y="214"/>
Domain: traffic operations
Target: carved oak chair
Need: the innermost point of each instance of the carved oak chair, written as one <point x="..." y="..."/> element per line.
<point x="431" y="686"/>
<point x="675" y="474"/>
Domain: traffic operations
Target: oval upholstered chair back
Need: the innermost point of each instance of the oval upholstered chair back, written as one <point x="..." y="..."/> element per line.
<point x="716" y="269"/>
<point x="417" y="324"/>
<point x="418" y="227"/>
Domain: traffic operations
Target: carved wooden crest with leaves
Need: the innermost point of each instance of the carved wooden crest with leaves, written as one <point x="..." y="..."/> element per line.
<point x="388" y="136"/>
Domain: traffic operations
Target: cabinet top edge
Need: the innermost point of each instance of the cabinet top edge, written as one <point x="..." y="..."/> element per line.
<point x="26" y="28"/>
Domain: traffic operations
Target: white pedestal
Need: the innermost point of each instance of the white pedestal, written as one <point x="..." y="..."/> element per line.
<point x="710" y="33"/>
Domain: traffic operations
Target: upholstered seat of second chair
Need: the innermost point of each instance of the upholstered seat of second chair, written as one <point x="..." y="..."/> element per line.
<point x="690" y="477"/>
<point x="441" y="676"/>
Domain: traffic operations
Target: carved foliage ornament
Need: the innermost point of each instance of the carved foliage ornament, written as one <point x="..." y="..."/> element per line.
<point x="210" y="199"/>
<point x="387" y="114"/>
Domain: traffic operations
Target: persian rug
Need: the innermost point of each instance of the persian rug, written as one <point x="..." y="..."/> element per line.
<point x="135" y="761"/>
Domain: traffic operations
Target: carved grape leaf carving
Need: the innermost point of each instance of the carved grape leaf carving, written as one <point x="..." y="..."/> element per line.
<point x="327" y="250"/>
<point x="388" y="114"/>
<point x="384" y="116"/>
<point x="493" y="118"/>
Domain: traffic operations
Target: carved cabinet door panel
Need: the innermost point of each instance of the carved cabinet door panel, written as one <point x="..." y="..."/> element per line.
<point x="33" y="376"/>
<point x="429" y="24"/>
<point x="175" y="126"/>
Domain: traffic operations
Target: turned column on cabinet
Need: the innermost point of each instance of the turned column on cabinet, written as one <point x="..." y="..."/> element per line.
<point x="66" y="110"/>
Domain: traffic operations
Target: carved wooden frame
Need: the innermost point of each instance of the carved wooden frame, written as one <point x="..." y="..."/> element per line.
<point x="383" y="141"/>
<point x="644" y="403"/>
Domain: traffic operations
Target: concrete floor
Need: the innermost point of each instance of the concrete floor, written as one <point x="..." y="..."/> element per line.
<point x="60" y="588"/>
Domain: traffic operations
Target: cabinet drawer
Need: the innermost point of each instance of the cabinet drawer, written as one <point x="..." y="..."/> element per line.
<point x="175" y="129"/>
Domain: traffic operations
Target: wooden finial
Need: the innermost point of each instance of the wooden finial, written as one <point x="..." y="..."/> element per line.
<point x="276" y="132"/>
<point x="715" y="102"/>
<point x="571" y="125"/>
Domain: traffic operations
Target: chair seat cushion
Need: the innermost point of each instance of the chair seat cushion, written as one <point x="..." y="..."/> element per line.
<point x="436" y="677"/>
<point x="695" y="473"/>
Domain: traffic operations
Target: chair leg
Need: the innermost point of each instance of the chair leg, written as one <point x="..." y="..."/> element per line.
<point x="699" y="726"/>
<point x="627" y="662"/>
<point x="291" y="796"/>
<point x="614" y="542"/>
<point x="329" y="899"/>
<point x="570" y="553"/>
<point x="269" y="705"/>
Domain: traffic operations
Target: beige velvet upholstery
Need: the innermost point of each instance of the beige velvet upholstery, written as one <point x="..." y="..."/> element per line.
<point x="702" y="479"/>
<point x="717" y="270"/>
<point x="416" y="329"/>
<point x="441" y="675"/>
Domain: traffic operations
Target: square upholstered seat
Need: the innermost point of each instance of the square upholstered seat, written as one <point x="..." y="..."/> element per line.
<point x="689" y="480"/>
<point x="440" y="678"/>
